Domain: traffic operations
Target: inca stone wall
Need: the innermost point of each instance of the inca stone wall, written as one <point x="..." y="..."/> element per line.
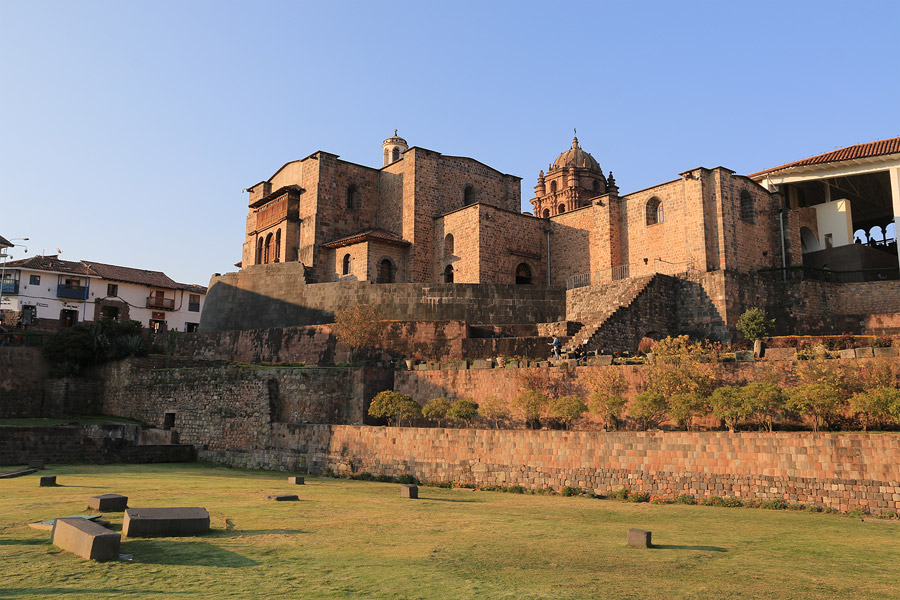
<point x="838" y="470"/>
<point x="241" y="301"/>
<point x="22" y="376"/>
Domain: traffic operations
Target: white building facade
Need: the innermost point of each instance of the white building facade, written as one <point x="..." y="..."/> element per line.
<point x="46" y="293"/>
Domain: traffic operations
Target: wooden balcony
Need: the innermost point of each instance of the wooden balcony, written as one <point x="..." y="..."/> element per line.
<point x="160" y="303"/>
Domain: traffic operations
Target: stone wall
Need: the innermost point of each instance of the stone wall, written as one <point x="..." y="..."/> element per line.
<point x="840" y="470"/>
<point x="223" y="406"/>
<point x="279" y="299"/>
<point x="22" y="375"/>
<point x="96" y="444"/>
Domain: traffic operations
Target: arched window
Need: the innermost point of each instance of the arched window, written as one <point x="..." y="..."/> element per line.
<point x="747" y="210"/>
<point x="448" y="274"/>
<point x="278" y="246"/>
<point x="269" y="250"/>
<point x="259" y="251"/>
<point x="552" y="187"/>
<point x="448" y="244"/>
<point x="654" y="211"/>
<point x="345" y="266"/>
<point x="468" y="195"/>
<point x="546" y="213"/>
<point x="353" y="200"/>
<point x="560" y="209"/>
<point x="395" y="155"/>
<point x="385" y="271"/>
<point x="523" y="274"/>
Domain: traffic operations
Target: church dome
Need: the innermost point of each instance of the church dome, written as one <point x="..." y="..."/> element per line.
<point x="576" y="157"/>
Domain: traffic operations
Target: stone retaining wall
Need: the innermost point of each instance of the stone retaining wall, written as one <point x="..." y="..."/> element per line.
<point x="839" y="470"/>
<point x="95" y="444"/>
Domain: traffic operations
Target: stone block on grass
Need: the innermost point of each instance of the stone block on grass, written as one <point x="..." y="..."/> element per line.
<point x="86" y="539"/>
<point x="48" y="480"/>
<point x="283" y="497"/>
<point x="108" y="502"/>
<point x="409" y="491"/>
<point x="744" y="356"/>
<point x="885" y="352"/>
<point x="863" y="352"/>
<point x="165" y="522"/>
<point x="296" y="480"/>
<point x="639" y="538"/>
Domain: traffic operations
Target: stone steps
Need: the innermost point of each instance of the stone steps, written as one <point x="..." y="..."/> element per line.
<point x="621" y="297"/>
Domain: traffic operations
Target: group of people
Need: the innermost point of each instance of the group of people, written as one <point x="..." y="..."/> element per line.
<point x="579" y="353"/>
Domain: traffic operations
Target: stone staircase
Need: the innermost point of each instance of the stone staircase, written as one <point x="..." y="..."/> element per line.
<point x="603" y="305"/>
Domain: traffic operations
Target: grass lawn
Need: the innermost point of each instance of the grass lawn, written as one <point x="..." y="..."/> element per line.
<point x="358" y="539"/>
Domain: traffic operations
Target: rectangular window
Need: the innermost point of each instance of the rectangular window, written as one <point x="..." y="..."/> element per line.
<point x="112" y="289"/>
<point x="194" y="302"/>
<point x="34" y="280"/>
<point x="191" y="327"/>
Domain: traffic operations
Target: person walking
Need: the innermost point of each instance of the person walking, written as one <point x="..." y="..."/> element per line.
<point x="555" y="346"/>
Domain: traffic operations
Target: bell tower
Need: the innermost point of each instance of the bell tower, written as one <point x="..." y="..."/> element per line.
<point x="393" y="148"/>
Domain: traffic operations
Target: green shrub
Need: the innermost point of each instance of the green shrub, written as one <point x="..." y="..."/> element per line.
<point x="571" y="491"/>
<point x="754" y="324"/>
<point x="620" y="494"/>
<point x="408" y="479"/>
<point x="436" y="409"/>
<point x="685" y="499"/>
<point x="713" y="501"/>
<point x="639" y="497"/>
<point x="567" y="409"/>
<point x="649" y="407"/>
<point x="463" y="409"/>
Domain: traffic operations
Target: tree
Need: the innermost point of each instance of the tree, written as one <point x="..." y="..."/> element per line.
<point x="649" y="407"/>
<point x="531" y="405"/>
<point x="728" y="404"/>
<point x="408" y="409"/>
<point x="682" y="367"/>
<point x="763" y="402"/>
<point x="607" y="398"/>
<point x="494" y="409"/>
<point x="388" y="405"/>
<point x="684" y="407"/>
<point x="567" y="409"/>
<point x="755" y="324"/>
<point x="463" y="409"/>
<point x="436" y="410"/>
<point x="358" y="327"/>
<point x="819" y="402"/>
<point x="873" y="407"/>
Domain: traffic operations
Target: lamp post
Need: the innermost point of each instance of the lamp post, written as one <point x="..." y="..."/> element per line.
<point x="4" y="254"/>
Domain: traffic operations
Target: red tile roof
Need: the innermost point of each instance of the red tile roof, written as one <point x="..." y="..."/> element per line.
<point x="51" y="263"/>
<point x="867" y="150"/>
<point x="5" y="243"/>
<point x="370" y="235"/>
<point x="130" y="275"/>
<point x="104" y="271"/>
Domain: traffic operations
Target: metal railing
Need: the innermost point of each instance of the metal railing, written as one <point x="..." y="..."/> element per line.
<point x="635" y="269"/>
<point x="827" y="275"/>
<point x="74" y="292"/>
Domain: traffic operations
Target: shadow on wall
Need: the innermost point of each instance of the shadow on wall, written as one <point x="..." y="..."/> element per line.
<point x="229" y="307"/>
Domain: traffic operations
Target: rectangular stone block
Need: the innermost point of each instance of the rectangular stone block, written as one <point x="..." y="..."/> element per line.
<point x="639" y="538"/>
<point x="163" y="522"/>
<point x="863" y="352"/>
<point x="885" y="352"/>
<point x="108" y="503"/>
<point x="604" y="360"/>
<point x="86" y="539"/>
<point x="48" y="480"/>
<point x="848" y="353"/>
<point x="481" y="364"/>
<point x="743" y="356"/>
<point x="409" y="491"/>
<point x="284" y="498"/>
<point x="296" y="480"/>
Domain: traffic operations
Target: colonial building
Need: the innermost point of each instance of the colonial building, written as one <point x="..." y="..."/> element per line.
<point x="46" y="293"/>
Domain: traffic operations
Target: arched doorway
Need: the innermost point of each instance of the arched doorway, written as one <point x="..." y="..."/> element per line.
<point x="523" y="274"/>
<point x="808" y="240"/>
<point x="448" y="274"/>
<point x="385" y="271"/>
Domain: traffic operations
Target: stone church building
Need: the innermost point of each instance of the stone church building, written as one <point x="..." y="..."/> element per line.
<point x="427" y="219"/>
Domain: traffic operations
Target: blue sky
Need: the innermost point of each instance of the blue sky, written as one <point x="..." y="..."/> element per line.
<point x="128" y="129"/>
